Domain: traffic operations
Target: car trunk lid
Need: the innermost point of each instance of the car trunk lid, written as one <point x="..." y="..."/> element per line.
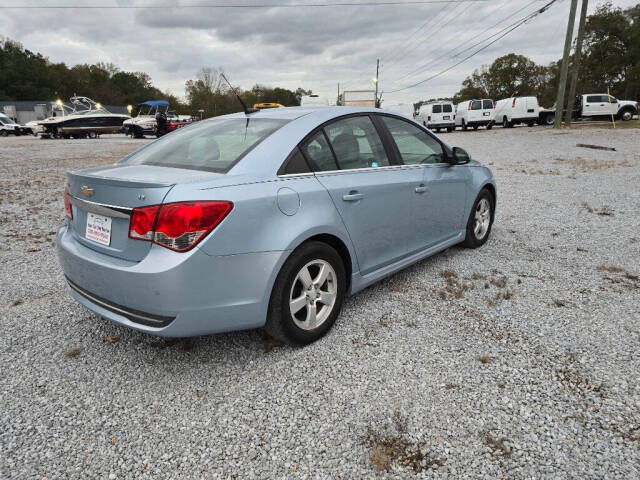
<point x="104" y="197"/>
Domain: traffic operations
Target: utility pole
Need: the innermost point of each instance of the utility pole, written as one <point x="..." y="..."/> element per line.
<point x="562" y="86"/>
<point x="376" y="81"/>
<point x="576" y="60"/>
<point x="338" y="100"/>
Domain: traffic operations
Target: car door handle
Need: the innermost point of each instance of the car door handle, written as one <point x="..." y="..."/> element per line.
<point x="352" y="197"/>
<point x="422" y="189"/>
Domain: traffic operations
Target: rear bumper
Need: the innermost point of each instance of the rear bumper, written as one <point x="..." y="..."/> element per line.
<point x="172" y="294"/>
<point x="451" y="124"/>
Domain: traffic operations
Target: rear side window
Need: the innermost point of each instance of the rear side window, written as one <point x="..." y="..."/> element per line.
<point x="356" y="143"/>
<point x="319" y="153"/>
<point x="416" y="146"/>
<point x="213" y="145"/>
<point x="476" y="105"/>
<point x="437" y="109"/>
<point x="447" y="108"/>
<point x="487" y="104"/>
<point x="295" y="163"/>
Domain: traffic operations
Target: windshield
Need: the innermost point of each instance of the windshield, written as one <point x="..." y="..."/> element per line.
<point x="4" y="119"/>
<point x="214" y="145"/>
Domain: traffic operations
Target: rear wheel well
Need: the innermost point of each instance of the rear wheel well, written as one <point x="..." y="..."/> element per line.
<point x="339" y="246"/>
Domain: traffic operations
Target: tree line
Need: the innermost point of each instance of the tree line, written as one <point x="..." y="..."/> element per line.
<point x="27" y="75"/>
<point x="610" y="59"/>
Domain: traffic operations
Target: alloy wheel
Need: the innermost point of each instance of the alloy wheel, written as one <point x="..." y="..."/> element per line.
<point x="482" y="219"/>
<point x="313" y="294"/>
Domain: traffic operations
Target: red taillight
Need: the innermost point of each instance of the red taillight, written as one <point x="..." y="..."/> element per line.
<point x="494" y="105"/>
<point x="67" y="204"/>
<point x="454" y="117"/>
<point x="428" y="118"/>
<point x="469" y="107"/>
<point x="177" y="226"/>
<point x="141" y="224"/>
<point x="513" y="105"/>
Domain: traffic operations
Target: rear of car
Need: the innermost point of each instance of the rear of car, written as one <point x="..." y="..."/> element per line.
<point x="437" y="116"/>
<point x="517" y="110"/>
<point x="475" y="114"/>
<point x="137" y="246"/>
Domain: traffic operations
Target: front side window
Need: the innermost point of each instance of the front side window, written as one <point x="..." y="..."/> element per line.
<point x="416" y="146"/>
<point x="356" y="143"/>
<point x="214" y="145"/>
<point x="476" y="105"/>
<point x="437" y="109"/>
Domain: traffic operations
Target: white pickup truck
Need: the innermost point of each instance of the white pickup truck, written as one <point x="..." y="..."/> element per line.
<point x="594" y="105"/>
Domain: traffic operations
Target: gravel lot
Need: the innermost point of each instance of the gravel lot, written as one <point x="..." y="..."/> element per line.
<point x="517" y="360"/>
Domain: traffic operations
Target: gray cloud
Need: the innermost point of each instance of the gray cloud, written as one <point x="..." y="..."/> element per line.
<point x="309" y="47"/>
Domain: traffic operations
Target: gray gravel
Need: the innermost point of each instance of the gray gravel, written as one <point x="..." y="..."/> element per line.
<point x="517" y="360"/>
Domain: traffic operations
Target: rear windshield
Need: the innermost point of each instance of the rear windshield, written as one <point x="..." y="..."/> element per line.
<point x="487" y="104"/>
<point x="447" y="108"/>
<point x="213" y="145"/>
<point x="437" y="109"/>
<point x="476" y="105"/>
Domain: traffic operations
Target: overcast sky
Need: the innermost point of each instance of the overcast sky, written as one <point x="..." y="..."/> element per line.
<point x="309" y="47"/>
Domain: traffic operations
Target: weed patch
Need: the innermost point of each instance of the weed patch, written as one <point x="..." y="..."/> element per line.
<point x="395" y="449"/>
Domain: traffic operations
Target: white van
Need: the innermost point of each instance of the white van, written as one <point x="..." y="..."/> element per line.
<point x="476" y="113"/>
<point x="437" y="116"/>
<point x="404" y="109"/>
<point x="514" y="110"/>
<point x="313" y="101"/>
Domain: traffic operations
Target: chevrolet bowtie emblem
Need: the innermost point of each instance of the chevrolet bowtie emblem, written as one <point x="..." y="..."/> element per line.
<point x="86" y="191"/>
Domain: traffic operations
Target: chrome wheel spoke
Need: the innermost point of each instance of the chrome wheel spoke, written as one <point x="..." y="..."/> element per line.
<point x="312" y="318"/>
<point x="327" y="298"/>
<point x="305" y="277"/>
<point x="298" y="303"/>
<point x="322" y="275"/>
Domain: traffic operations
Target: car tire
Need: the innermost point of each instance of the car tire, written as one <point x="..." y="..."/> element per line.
<point x="480" y="220"/>
<point x="626" y="115"/>
<point x="530" y="124"/>
<point x="506" y="123"/>
<point x="490" y="126"/>
<point x="464" y="126"/>
<point x="475" y="127"/>
<point x="290" y="326"/>
<point x="450" y="129"/>
<point x="3" y="133"/>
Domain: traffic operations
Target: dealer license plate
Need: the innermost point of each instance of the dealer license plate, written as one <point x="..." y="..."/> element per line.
<point x="98" y="229"/>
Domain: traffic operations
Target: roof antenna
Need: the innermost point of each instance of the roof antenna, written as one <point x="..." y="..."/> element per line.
<point x="247" y="110"/>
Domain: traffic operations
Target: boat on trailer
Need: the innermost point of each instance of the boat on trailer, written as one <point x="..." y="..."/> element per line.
<point x="81" y="118"/>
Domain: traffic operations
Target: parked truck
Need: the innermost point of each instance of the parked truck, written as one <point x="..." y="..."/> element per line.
<point x="595" y="106"/>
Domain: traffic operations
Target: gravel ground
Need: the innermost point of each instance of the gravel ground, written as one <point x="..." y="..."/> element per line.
<point x="517" y="360"/>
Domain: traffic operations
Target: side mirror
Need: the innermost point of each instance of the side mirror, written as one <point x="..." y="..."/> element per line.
<point x="460" y="156"/>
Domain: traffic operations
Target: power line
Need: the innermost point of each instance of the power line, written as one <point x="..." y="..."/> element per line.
<point x="435" y="60"/>
<point x="233" y="5"/>
<point x="518" y="24"/>
<point x="409" y="37"/>
<point x="444" y="23"/>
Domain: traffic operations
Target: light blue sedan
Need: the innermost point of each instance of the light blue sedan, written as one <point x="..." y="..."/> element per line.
<point x="266" y="220"/>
